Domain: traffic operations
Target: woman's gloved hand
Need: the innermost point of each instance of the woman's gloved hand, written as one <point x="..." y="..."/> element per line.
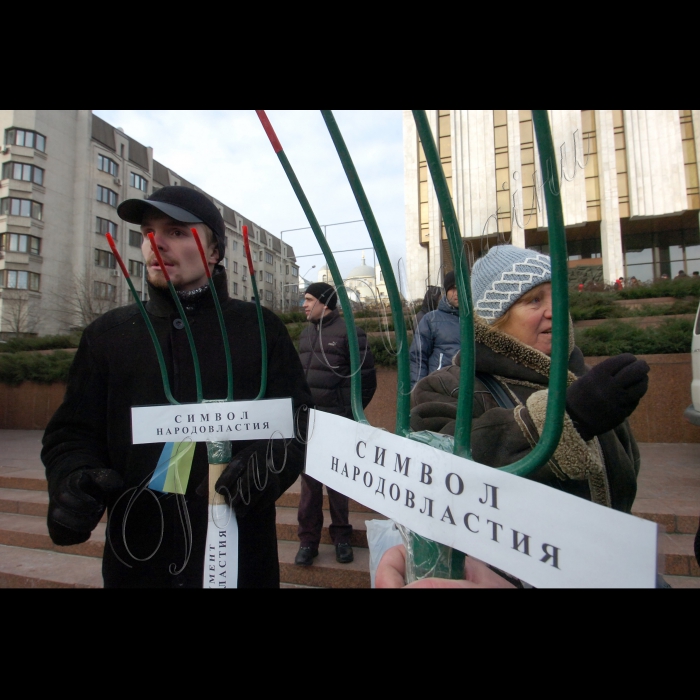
<point x="77" y="505"/>
<point x="607" y="394"/>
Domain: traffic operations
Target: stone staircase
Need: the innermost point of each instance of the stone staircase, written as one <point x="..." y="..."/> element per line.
<point x="668" y="495"/>
<point x="29" y="559"/>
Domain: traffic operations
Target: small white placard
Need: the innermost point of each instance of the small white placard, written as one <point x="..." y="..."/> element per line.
<point x="546" y="537"/>
<point x="213" y="421"/>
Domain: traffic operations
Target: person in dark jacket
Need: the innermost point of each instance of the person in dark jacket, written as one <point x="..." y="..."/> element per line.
<point x="436" y="340"/>
<point x="430" y="302"/>
<point x="325" y="357"/>
<point x="155" y="539"/>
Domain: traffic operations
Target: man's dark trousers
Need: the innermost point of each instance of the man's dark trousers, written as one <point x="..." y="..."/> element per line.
<point x="311" y="514"/>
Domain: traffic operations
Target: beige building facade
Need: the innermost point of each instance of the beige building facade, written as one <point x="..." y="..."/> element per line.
<point x="628" y="180"/>
<point x="63" y="174"/>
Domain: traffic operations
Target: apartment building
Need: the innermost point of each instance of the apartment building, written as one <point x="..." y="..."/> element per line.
<point x="628" y="180"/>
<point x="64" y="172"/>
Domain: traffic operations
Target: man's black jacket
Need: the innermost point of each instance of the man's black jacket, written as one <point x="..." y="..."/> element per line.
<point x="160" y="543"/>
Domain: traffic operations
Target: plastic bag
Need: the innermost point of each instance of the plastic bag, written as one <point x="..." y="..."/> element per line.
<point x="381" y="535"/>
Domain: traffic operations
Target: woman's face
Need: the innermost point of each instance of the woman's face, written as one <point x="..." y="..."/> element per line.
<point x="530" y="319"/>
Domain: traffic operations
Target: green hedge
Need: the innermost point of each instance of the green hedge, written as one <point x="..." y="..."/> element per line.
<point x="689" y="287"/>
<point x="16" y="368"/>
<point x="615" y="337"/>
<point x="47" y="342"/>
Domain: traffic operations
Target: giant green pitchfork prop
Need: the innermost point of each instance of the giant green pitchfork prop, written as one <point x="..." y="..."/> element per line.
<point x="431" y="557"/>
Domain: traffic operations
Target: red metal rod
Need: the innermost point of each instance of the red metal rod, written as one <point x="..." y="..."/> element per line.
<point x="201" y="251"/>
<point x="152" y="239"/>
<point x="269" y="130"/>
<point x="112" y="245"/>
<point x="246" y="244"/>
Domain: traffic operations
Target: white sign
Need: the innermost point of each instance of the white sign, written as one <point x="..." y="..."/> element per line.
<point x="546" y="537"/>
<point x="213" y="421"/>
<point x="221" y="551"/>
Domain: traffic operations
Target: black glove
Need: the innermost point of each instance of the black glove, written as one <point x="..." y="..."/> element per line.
<point x="79" y="502"/>
<point x="601" y="399"/>
<point x="250" y="480"/>
<point x="436" y="416"/>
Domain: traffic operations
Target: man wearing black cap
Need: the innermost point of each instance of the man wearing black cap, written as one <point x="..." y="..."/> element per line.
<point x="325" y="357"/>
<point x="436" y="340"/>
<point x="156" y="539"/>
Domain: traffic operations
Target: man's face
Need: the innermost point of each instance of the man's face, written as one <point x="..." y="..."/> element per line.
<point x="452" y="297"/>
<point x="313" y="308"/>
<point x="179" y="251"/>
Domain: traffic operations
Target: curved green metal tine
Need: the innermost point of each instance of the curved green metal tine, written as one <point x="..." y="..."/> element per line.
<point x="261" y="322"/>
<point x="219" y="313"/>
<point x="556" y="402"/>
<point x="466" y="317"/>
<point x="403" y="408"/>
<point x="149" y="325"/>
<point x="181" y="311"/>
<point x="355" y="364"/>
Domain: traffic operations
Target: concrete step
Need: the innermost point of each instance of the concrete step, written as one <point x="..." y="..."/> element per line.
<point x="24" y="501"/>
<point x="325" y="572"/>
<point x="18" y="478"/>
<point x="678" y="555"/>
<point x="676" y="517"/>
<point x="30" y="532"/>
<point x="683" y="581"/>
<point x="287" y="526"/>
<point x="36" y="568"/>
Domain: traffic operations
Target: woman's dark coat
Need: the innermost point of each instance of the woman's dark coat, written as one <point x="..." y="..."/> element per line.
<point x="603" y="470"/>
<point x="116" y="368"/>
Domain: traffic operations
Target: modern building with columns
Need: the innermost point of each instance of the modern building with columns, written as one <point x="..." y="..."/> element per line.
<point x="628" y="179"/>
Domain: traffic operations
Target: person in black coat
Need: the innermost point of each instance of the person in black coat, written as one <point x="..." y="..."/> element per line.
<point x="154" y="539"/>
<point x="325" y="357"/>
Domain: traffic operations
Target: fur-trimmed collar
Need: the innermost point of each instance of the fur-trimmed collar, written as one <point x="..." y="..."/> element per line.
<point x="503" y="355"/>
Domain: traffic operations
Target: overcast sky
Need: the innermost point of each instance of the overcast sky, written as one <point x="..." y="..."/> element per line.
<point x="227" y="154"/>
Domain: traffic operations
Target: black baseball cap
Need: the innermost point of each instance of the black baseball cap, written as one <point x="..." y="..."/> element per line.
<point x="182" y="204"/>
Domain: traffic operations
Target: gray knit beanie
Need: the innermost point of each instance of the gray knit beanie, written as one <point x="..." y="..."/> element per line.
<point x="503" y="275"/>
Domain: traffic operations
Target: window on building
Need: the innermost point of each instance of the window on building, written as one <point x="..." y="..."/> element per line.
<point x="104" y="226"/>
<point x="260" y="275"/>
<point x="20" y="279"/>
<point x="260" y="257"/>
<point x="104" y="258"/>
<point x="135" y="238"/>
<point x="140" y="183"/>
<point x="107" y="165"/>
<point x="268" y="258"/>
<point x="235" y="267"/>
<point x="245" y="292"/>
<point x="295" y="271"/>
<point x="106" y="195"/>
<point x="235" y="287"/>
<point x="23" y="171"/>
<point x="20" y="243"/>
<point x="23" y="137"/>
<point x="268" y="296"/>
<point x="235" y="246"/>
<point x="135" y="268"/>
<point x="104" y="291"/>
<point x="268" y="277"/>
<point x="22" y="207"/>
<point x="245" y="273"/>
<point x="286" y="272"/>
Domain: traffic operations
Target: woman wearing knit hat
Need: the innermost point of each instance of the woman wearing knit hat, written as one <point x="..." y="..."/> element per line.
<point x="597" y="457"/>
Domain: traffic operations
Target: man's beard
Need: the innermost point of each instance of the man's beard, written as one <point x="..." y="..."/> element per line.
<point x="157" y="279"/>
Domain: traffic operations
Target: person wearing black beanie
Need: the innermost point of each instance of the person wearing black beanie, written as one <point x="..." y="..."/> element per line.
<point x="325" y="358"/>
